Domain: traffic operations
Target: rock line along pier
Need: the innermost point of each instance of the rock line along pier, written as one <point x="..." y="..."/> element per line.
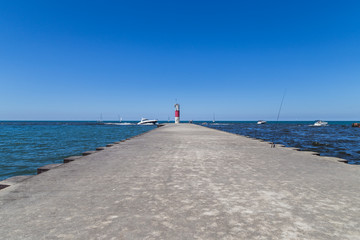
<point x="184" y="181"/>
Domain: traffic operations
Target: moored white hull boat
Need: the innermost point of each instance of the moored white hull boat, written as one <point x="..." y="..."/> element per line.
<point x="320" y="123"/>
<point x="145" y="121"/>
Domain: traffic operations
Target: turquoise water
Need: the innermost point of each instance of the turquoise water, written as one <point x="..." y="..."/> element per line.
<point x="25" y="146"/>
<point x="338" y="139"/>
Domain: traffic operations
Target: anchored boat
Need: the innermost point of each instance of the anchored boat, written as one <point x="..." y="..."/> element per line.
<point x="145" y="121"/>
<point x="320" y="123"/>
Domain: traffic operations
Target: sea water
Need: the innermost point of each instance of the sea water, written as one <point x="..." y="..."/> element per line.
<point x="25" y="146"/>
<point x="337" y="139"/>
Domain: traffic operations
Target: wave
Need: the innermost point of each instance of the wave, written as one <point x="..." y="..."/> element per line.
<point x="121" y="124"/>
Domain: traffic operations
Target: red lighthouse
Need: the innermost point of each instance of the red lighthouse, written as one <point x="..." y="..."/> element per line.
<point x="177" y="113"/>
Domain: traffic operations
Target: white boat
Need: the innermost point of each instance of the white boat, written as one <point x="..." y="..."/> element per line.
<point x="145" y="121"/>
<point x="320" y="123"/>
<point x="261" y="122"/>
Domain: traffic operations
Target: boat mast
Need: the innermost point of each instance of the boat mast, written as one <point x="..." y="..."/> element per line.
<point x="277" y="120"/>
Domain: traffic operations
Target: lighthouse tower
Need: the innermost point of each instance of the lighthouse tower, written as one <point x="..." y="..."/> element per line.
<point x="177" y="113"/>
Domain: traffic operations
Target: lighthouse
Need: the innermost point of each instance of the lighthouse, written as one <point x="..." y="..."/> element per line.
<point x="177" y="113"/>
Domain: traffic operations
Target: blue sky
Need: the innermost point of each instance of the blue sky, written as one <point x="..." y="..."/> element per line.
<point x="75" y="60"/>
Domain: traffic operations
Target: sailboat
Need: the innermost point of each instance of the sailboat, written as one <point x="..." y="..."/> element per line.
<point x="100" y="121"/>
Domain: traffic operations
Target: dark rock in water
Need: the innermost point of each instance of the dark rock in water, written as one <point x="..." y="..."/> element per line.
<point x="47" y="168"/>
<point x="88" y="153"/>
<point x="344" y="153"/>
<point x="3" y="186"/>
<point x="70" y="159"/>
<point x="318" y="144"/>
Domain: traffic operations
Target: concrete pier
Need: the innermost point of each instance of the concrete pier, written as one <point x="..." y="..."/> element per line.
<point x="187" y="182"/>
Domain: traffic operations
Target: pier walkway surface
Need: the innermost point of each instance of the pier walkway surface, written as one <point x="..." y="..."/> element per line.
<point x="187" y="182"/>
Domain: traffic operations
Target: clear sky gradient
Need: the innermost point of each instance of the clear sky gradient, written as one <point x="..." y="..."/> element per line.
<point x="75" y="60"/>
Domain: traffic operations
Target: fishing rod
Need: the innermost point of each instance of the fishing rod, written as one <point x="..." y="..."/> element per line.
<point x="277" y="120"/>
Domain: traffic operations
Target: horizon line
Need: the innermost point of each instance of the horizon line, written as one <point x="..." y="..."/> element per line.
<point x="69" y="120"/>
